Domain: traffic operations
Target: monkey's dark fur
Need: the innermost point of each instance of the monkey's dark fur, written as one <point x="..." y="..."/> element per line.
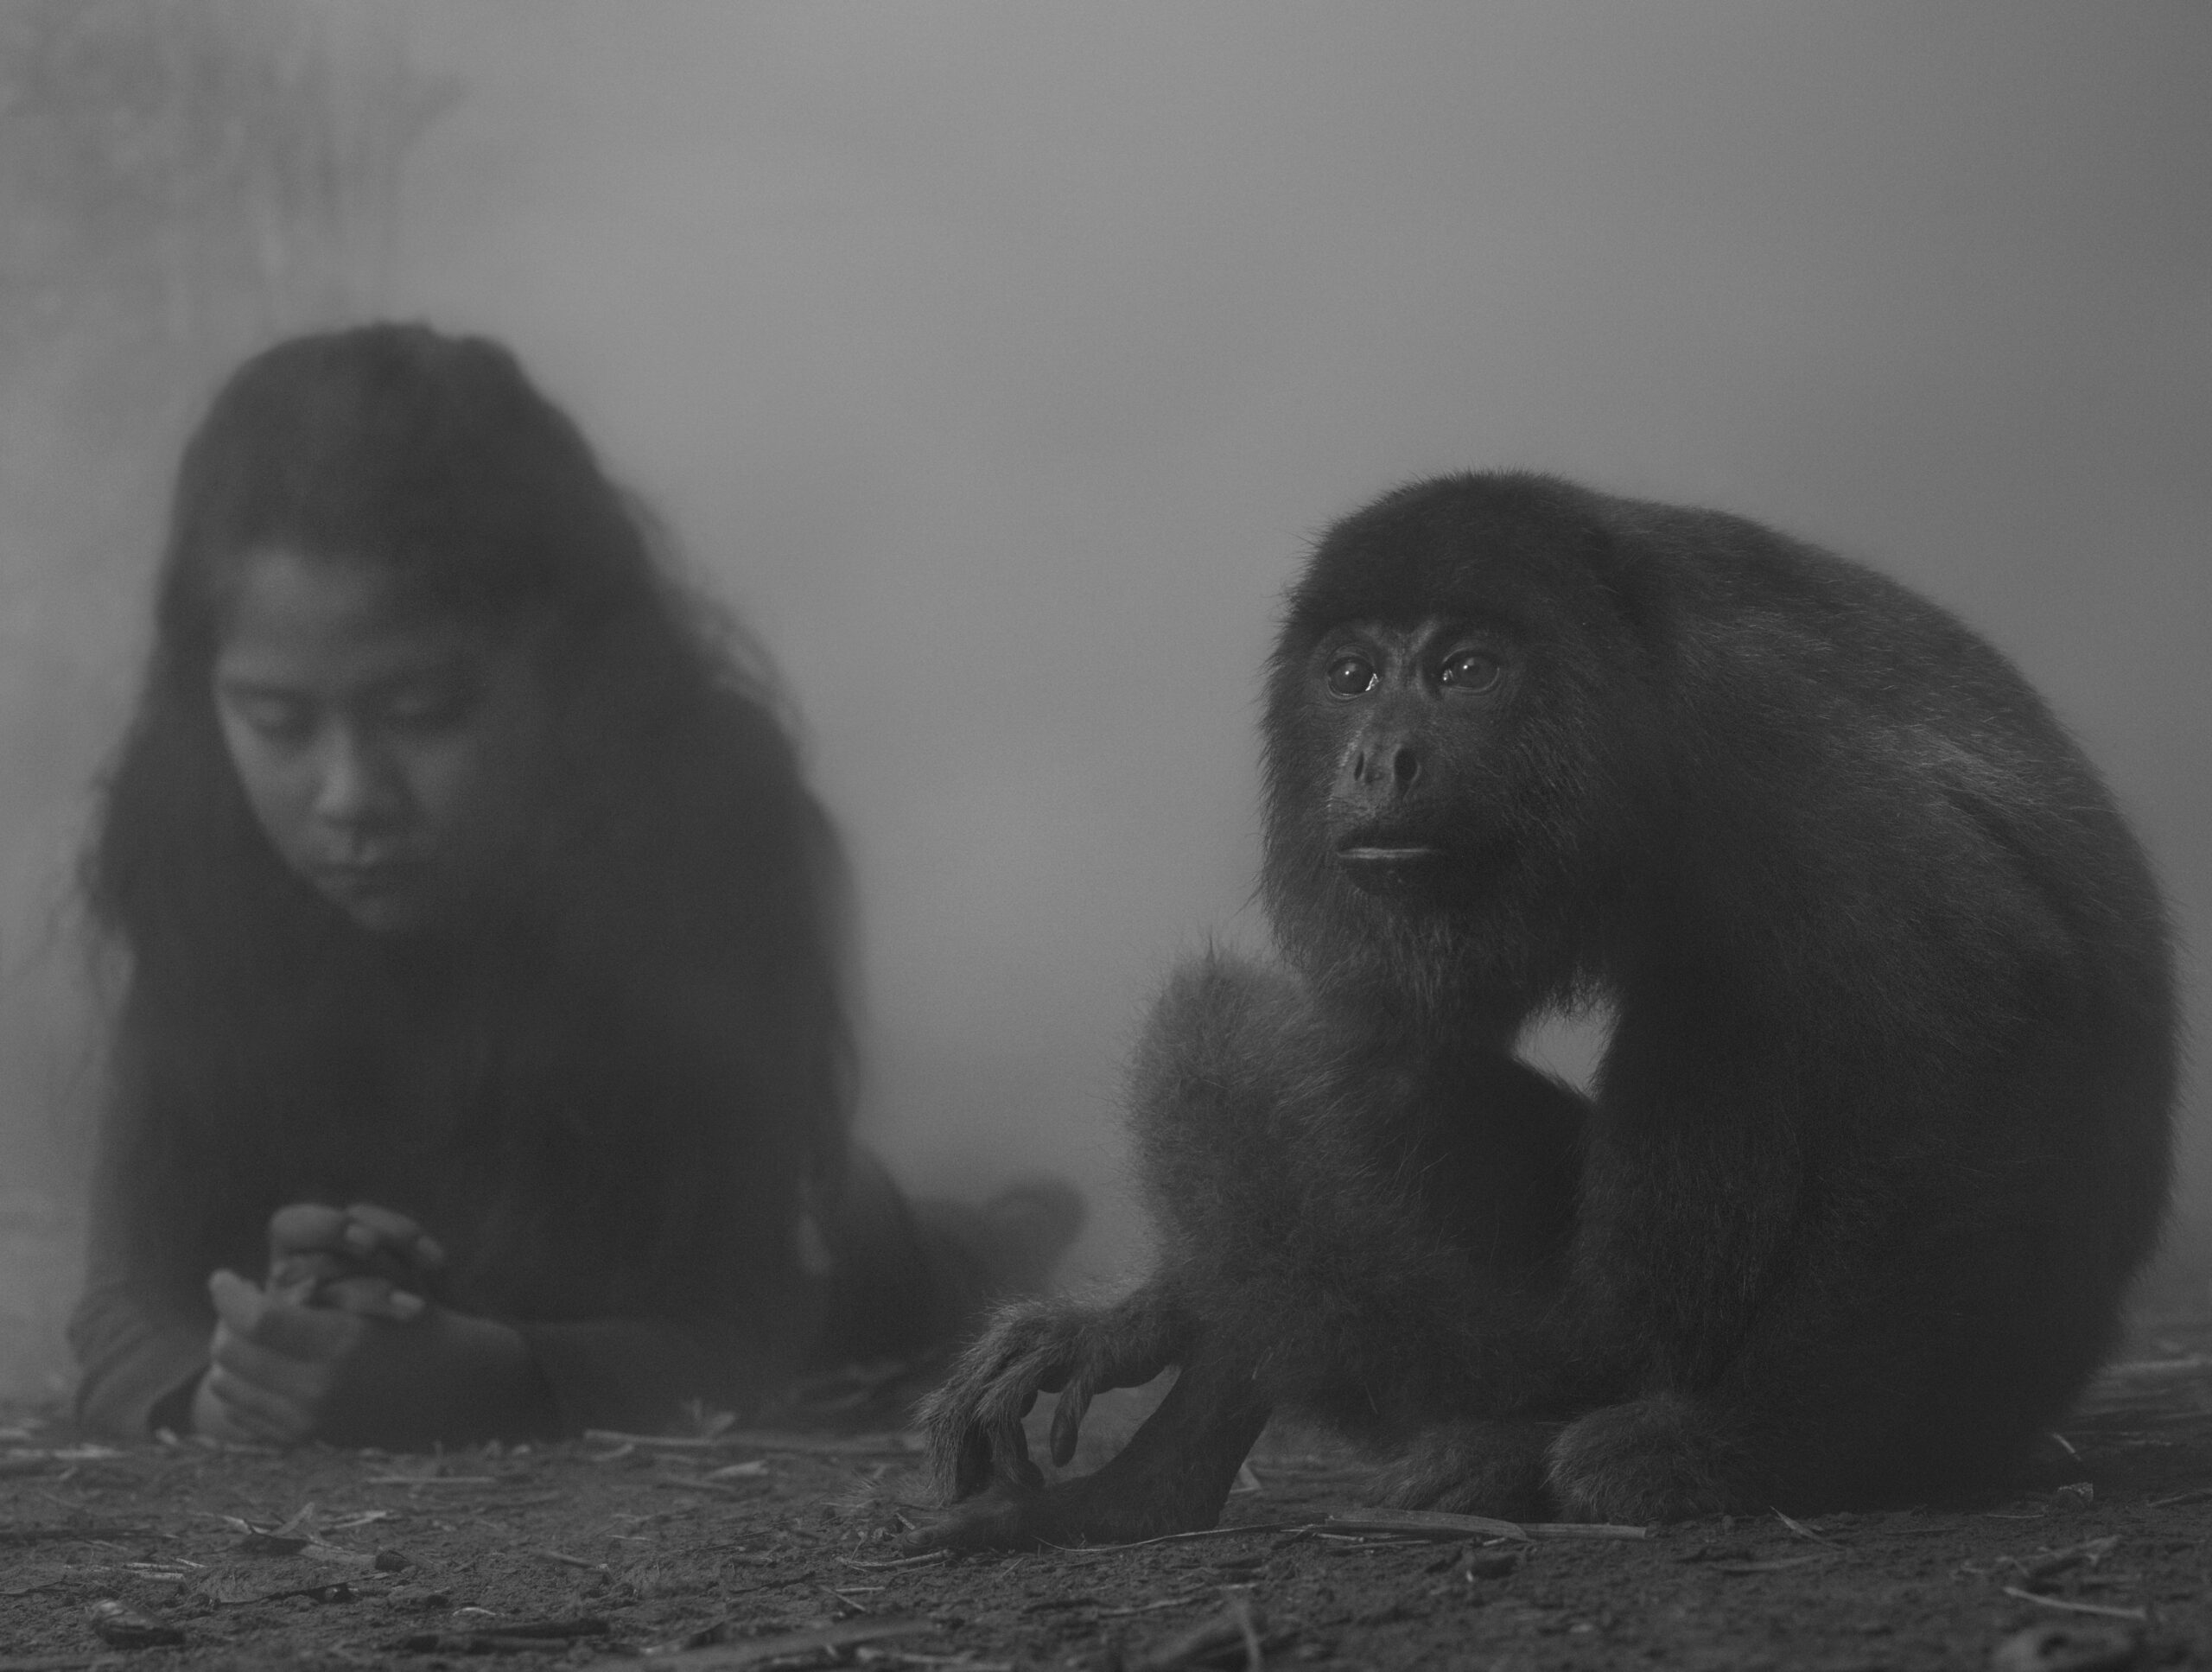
<point x="1881" y="1134"/>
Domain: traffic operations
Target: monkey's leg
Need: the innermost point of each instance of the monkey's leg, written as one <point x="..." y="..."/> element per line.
<point x="1173" y="1476"/>
<point x="1827" y="1416"/>
<point x="1664" y="1456"/>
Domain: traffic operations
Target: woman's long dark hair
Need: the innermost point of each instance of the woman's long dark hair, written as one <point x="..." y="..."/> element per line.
<point x="660" y="1009"/>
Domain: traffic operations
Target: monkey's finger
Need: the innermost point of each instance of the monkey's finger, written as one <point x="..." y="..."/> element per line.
<point x="970" y="1468"/>
<point x="975" y="1419"/>
<point x="1011" y="1463"/>
<point x="1015" y="1467"/>
<point x="992" y="1455"/>
<point x="965" y="1445"/>
<point x="960" y="1457"/>
<point x="1067" y="1419"/>
<point x="960" y="1451"/>
<point x="999" y="1419"/>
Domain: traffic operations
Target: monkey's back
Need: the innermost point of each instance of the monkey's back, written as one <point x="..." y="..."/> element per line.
<point x="1900" y="900"/>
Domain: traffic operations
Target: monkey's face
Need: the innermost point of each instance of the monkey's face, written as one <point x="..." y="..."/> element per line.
<point x="1459" y="723"/>
<point x="1409" y="721"/>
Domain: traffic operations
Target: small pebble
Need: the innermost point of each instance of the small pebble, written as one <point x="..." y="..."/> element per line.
<point x="121" y="1626"/>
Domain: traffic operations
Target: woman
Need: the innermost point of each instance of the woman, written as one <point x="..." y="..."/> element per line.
<point x="484" y="989"/>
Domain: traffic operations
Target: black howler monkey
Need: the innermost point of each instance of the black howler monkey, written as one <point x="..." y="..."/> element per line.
<point x="1883" y="1127"/>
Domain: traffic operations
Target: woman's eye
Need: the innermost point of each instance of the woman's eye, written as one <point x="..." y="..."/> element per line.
<point x="432" y="708"/>
<point x="1350" y="676"/>
<point x="1472" y="670"/>
<point x="278" y="719"/>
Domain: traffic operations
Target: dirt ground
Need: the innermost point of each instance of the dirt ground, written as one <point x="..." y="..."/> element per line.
<point x="747" y="1549"/>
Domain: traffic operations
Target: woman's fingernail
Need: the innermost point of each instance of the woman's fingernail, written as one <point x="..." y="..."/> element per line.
<point x="405" y="1306"/>
<point x="360" y="1236"/>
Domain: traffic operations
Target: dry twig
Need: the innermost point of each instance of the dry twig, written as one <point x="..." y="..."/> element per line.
<point x="1800" y="1528"/>
<point x="2103" y="1609"/>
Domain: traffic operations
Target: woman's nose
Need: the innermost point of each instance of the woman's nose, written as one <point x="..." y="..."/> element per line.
<point x="358" y="782"/>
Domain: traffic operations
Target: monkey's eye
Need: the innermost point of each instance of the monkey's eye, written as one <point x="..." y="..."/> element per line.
<point x="1471" y="670"/>
<point x="1350" y="676"/>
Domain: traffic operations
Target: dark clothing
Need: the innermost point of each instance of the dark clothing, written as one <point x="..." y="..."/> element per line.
<point x="646" y="1263"/>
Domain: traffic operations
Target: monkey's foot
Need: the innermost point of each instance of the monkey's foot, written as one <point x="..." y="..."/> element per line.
<point x="1663" y="1457"/>
<point x="1474" y="1468"/>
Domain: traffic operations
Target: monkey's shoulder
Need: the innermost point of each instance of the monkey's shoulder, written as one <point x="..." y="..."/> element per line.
<point x="1225" y="1029"/>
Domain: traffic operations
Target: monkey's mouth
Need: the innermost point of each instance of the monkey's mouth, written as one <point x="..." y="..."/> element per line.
<point x="1393" y="868"/>
<point x="1376" y="853"/>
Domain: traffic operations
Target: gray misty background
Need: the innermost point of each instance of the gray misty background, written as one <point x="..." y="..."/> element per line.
<point x="998" y="361"/>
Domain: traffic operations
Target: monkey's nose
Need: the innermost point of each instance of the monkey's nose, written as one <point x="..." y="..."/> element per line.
<point x="1395" y="767"/>
<point x="1402" y="764"/>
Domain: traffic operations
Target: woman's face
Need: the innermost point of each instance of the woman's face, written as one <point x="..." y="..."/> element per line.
<point x="393" y="756"/>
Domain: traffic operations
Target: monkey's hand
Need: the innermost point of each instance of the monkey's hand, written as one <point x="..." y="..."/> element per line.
<point x="1173" y="1476"/>
<point x="1041" y="1346"/>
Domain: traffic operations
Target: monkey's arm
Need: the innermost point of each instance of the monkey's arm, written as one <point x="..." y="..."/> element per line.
<point x="1194" y="1062"/>
<point x="1378" y="1240"/>
<point x="1387" y="1227"/>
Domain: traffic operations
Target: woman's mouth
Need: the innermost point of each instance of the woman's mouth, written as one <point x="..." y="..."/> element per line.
<point x="357" y="878"/>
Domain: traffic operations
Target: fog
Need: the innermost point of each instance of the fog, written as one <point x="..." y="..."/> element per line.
<point x="998" y="361"/>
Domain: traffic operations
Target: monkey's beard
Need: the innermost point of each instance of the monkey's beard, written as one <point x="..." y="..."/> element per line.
<point x="1475" y="954"/>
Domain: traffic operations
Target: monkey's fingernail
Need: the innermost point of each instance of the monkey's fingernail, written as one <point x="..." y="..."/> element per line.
<point x="360" y="1236"/>
<point x="405" y="1306"/>
<point x="429" y="1252"/>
